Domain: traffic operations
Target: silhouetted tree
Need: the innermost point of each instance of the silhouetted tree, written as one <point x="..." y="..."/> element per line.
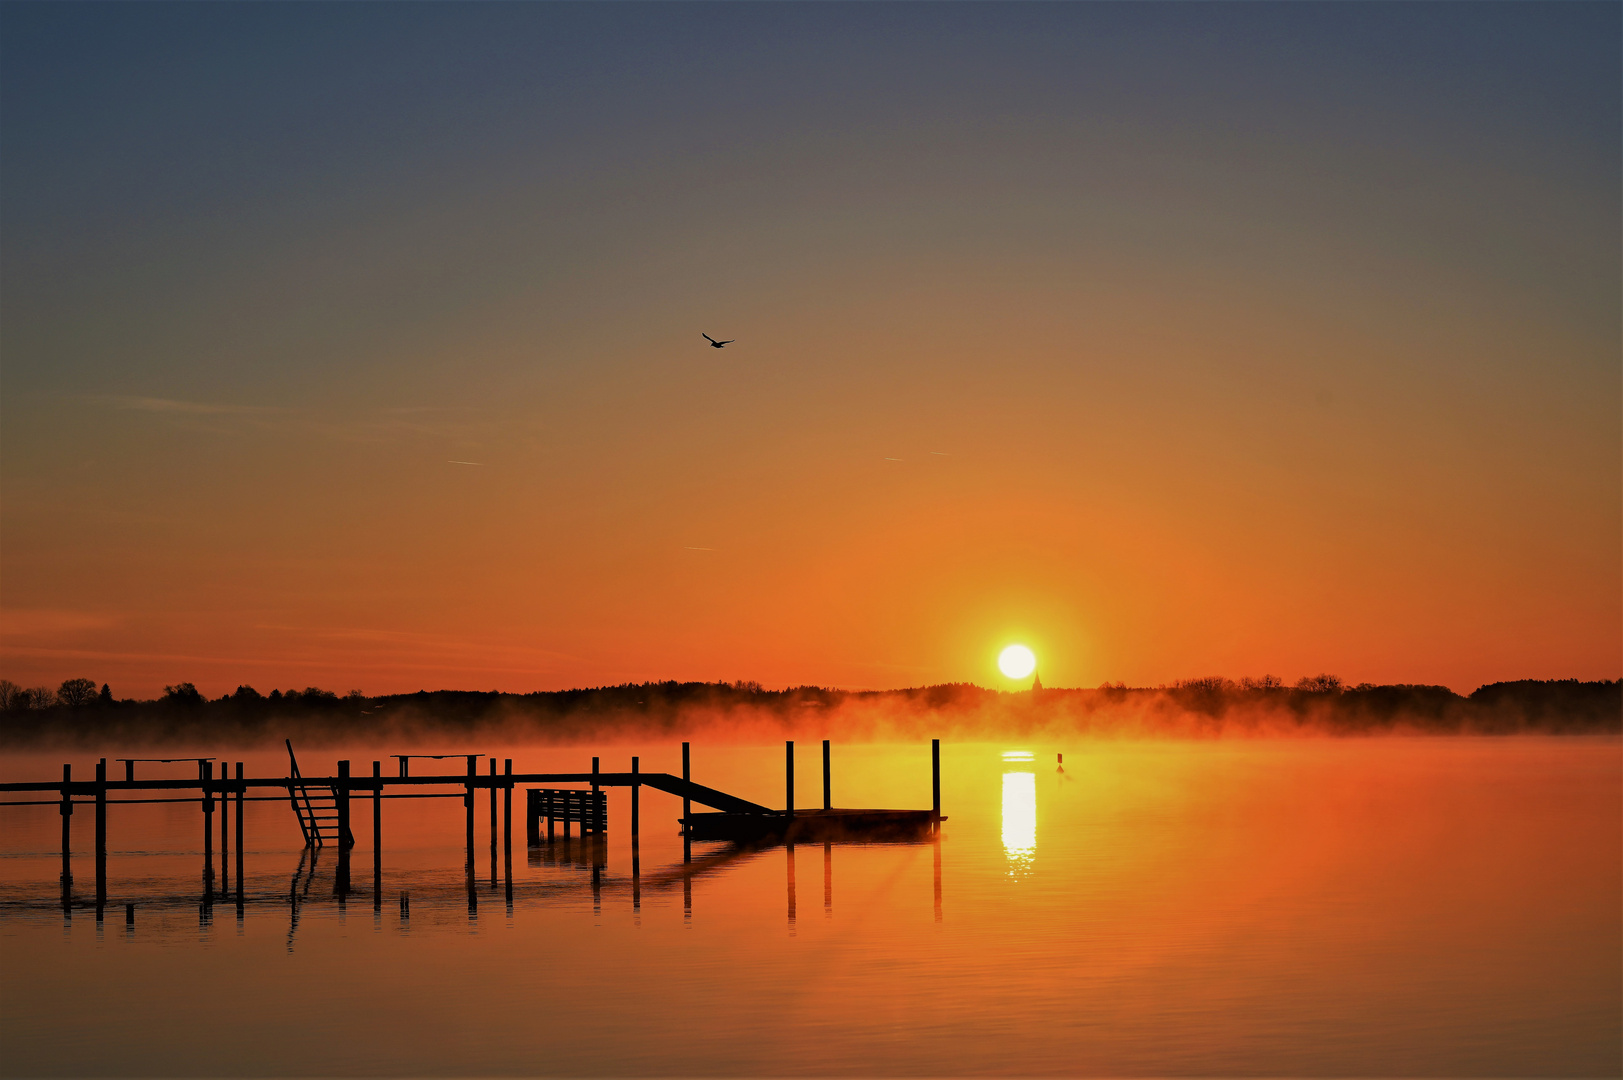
<point x="41" y="697"/>
<point x="105" y="697"/>
<point x="76" y="693"/>
<point x="1320" y="684"/>
<point x="1266" y="682"/>
<point x="184" y="694"/>
<point x="10" y="693"/>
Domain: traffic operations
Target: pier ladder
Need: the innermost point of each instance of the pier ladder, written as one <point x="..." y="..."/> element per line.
<point x="315" y="805"/>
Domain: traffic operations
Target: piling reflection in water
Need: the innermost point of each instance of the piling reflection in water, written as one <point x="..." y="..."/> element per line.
<point x="1019" y="814"/>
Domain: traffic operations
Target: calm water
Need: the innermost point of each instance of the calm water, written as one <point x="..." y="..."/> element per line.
<point x="1386" y="907"/>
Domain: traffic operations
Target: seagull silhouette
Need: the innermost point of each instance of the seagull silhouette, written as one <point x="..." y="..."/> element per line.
<point x="714" y="344"/>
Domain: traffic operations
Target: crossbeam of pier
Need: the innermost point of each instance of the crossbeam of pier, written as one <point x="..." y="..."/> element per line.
<point x="674" y="785"/>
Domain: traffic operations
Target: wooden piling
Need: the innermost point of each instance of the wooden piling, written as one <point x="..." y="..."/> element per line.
<point x="827" y="801"/>
<point x="101" y="836"/>
<point x="341" y="797"/>
<point x="636" y="789"/>
<point x="129" y="771"/>
<point x="687" y="804"/>
<point x="225" y="825"/>
<point x="789" y="777"/>
<point x="242" y="793"/>
<point x="597" y="823"/>
<point x="935" y="783"/>
<point x="377" y="836"/>
<point x="205" y="773"/>
<point x="507" y="826"/>
<point x="129" y="916"/>
<point x="467" y="803"/>
<point x="492" y="823"/>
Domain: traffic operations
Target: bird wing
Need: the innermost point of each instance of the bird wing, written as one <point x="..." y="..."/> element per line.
<point x="729" y="341"/>
<point x="707" y="337"/>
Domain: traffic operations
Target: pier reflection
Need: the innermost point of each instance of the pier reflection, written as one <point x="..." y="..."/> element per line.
<point x="790" y="854"/>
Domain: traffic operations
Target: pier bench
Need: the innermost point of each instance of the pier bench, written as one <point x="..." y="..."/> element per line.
<point x="589" y="809"/>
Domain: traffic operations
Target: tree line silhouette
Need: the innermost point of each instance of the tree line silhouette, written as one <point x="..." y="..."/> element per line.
<point x="78" y="710"/>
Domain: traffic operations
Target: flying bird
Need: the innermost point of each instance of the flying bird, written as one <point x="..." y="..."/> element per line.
<point x="714" y="344"/>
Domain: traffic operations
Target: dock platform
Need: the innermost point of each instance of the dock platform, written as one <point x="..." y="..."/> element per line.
<point x="833" y="823"/>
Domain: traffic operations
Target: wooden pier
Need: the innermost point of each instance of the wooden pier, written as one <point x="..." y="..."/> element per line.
<point x="324" y="808"/>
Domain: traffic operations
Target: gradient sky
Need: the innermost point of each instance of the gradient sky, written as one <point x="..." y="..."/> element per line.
<point x="1173" y="340"/>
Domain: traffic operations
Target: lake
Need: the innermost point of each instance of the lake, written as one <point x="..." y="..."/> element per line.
<point x="1310" y="907"/>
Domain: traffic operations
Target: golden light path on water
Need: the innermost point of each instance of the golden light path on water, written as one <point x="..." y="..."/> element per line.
<point x="1019" y="812"/>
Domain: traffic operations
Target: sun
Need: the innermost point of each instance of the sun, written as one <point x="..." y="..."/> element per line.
<point x="1017" y="661"/>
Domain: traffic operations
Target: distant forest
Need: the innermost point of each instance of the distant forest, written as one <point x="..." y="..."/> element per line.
<point x="79" y="711"/>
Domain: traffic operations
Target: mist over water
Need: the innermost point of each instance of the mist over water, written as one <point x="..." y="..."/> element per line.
<point x="1312" y="907"/>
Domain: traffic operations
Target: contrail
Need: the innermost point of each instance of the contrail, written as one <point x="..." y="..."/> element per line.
<point x="893" y="459"/>
<point x="940" y="453"/>
<point x="697" y="549"/>
<point x="448" y="461"/>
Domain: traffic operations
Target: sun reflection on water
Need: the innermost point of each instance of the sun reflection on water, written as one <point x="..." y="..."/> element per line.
<point x="1019" y="814"/>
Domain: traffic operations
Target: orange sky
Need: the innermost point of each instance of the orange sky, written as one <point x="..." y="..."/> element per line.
<point x="1279" y="363"/>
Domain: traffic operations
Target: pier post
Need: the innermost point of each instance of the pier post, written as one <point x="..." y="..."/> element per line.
<point x="467" y="803"/>
<point x="687" y="812"/>
<point x="205" y="773"/>
<point x="687" y="778"/>
<point x="789" y="777"/>
<point x="101" y="837"/>
<point x="507" y="827"/>
<point x="242" y="792"/>
<point x="377" y="836"/>
<point x="532" y="817"/>
<point x="493" y="823"/>
<point x="827" y="802"/>
<point x="935" y="784"/>
<point x="597" y="822"/>
<point x="341" y="790"/>
<point x="636" y="790"/>
<point x="225" y="837"/>
<point x="828" y="877"/>
<point x="129" y="769"/>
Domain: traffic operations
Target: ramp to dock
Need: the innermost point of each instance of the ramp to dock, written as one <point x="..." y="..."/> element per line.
<point x="704" y="796"/>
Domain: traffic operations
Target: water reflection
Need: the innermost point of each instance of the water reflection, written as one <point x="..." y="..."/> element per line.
<point x="1019" y="816"/>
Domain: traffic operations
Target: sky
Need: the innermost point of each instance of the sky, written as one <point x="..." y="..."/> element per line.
<point x="358" y="345"/>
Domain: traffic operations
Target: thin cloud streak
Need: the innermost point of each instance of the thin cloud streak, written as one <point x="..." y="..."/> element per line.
<point x="189" y="408"/>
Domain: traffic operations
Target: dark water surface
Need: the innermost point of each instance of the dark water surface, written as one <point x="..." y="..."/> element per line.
<point x="1381" y="907"/>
